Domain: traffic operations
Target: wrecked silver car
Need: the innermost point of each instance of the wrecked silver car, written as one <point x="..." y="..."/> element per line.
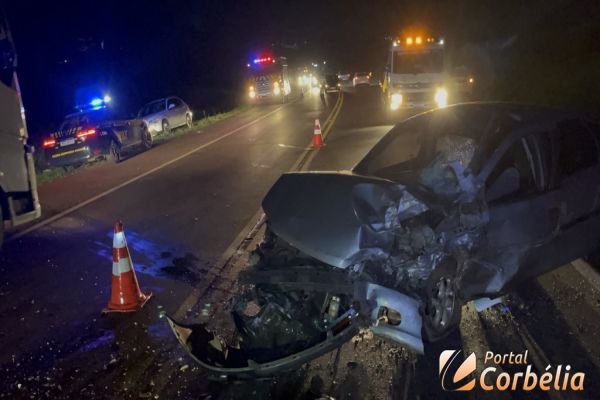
<point x="452" y="205"/>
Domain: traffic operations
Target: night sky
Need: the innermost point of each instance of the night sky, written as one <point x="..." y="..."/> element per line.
<point x="140" y="50"/>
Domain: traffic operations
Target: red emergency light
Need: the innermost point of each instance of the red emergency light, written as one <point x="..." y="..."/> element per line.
<point x="87" y="133"/>
<point x="50" y="142"/>
<point x="263" y="60"/>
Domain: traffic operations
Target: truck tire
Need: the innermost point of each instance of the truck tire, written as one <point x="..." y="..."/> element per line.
<point x="114" y="152"/>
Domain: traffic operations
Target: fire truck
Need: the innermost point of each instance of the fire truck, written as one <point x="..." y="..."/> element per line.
<point x="415" y="74"/>
<point x="18" y="190"/>
<point x="267" y="79"/>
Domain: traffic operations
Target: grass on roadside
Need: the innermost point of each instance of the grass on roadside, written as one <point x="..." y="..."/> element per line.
<point x="198" y="124"/>
<point x="50" y="174"/>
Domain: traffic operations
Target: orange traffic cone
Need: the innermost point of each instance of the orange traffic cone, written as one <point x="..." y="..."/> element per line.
<point x="317" y="138"/>
<point x="126" y="294"/>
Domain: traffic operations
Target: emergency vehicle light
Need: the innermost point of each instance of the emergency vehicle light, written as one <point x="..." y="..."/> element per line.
<point x="49" y="142"/>
<point x="86" y="133"/>
<point x="263" y="60"/>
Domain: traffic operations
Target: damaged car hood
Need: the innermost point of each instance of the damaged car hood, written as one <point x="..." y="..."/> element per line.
<point x="328" y="215"/>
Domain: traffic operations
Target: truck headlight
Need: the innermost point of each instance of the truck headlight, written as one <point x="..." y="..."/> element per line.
<point x="441" y="97"/>
<point x="276" y="89"/>
<point x="251" y="92"/>
<point x="395" y="101"/>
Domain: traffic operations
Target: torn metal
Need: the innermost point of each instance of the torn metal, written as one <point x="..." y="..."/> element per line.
<point x="394" y="248"/>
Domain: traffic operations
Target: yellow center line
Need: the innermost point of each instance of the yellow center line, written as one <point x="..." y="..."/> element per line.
<point x="331" y="120"/>
<point x="336" y="112"/>
<point x="331" y="114"/>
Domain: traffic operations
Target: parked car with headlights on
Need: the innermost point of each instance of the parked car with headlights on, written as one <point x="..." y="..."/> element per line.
<point x="330" y="84"/>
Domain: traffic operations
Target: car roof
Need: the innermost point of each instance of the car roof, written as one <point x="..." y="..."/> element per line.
<point x="87" y="112"/>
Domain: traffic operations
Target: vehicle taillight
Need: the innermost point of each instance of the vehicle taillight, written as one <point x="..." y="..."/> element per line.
<point x="50" y="142"/>
<point x="87" y="133"/>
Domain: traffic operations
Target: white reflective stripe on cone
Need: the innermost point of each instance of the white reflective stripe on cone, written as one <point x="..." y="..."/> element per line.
<point x="119" y="240"/>
<point x="122" y="266"/>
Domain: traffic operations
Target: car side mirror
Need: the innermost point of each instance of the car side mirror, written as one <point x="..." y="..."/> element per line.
<point x="508" y="182"/>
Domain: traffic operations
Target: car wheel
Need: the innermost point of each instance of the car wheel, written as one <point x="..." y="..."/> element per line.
<point x="114" y="152"/>
<point x="443" y="305"/>
<point x="188" y="120"/>
<point x="166" y="128"/>
<point x="147" y="139"/>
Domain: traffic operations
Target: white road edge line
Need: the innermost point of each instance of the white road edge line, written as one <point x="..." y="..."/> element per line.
<point x="136" y="178"/>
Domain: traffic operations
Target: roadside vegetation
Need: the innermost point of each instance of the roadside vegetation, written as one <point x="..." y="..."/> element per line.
<point x="45" y="175"/>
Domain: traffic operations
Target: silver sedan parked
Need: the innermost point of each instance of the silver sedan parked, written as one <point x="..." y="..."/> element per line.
<point x="165" y="114"/>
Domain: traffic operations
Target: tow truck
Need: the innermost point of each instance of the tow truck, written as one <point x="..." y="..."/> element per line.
<point x="268" y="79"/>
<point x="19" y="201"/>
<point x="415" y="75"/>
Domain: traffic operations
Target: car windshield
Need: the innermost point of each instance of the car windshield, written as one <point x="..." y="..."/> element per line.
<point x="265" y="69"/>
<point x="331" y="79"/>
<point x="418" y="63"/>
<point x="152" y="108"/>
<point x="435" y="141"/>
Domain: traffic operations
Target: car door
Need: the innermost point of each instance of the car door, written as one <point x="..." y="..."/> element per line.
<point x="524" y="214"/>
<point x="577" y="180"/>
<point x="181" y="111"/>
<point x="174" y="111"/>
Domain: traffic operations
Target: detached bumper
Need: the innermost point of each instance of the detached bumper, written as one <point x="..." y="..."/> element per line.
<point x="227" y="362"/>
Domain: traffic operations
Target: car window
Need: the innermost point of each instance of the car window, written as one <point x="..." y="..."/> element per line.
<point x="173" y="103"/>
<point x="153" y="108"/>
<point x="71" y="123"/>
<point x="578" y="149"/>
<point x="514" y="174"/>
<point x="157" y="106"/>
<point x="401" y="145"/>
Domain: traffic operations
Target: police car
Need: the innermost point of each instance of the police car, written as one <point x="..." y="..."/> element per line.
<point x="92" y="133"/>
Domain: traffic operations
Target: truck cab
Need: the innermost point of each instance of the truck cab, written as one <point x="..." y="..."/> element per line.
<point x="268" y="79"/>
<point x="415" y="74"/>
<point x="19" y="201"/>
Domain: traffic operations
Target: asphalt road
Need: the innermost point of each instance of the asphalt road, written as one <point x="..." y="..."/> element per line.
<point x="186" y="205"/>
